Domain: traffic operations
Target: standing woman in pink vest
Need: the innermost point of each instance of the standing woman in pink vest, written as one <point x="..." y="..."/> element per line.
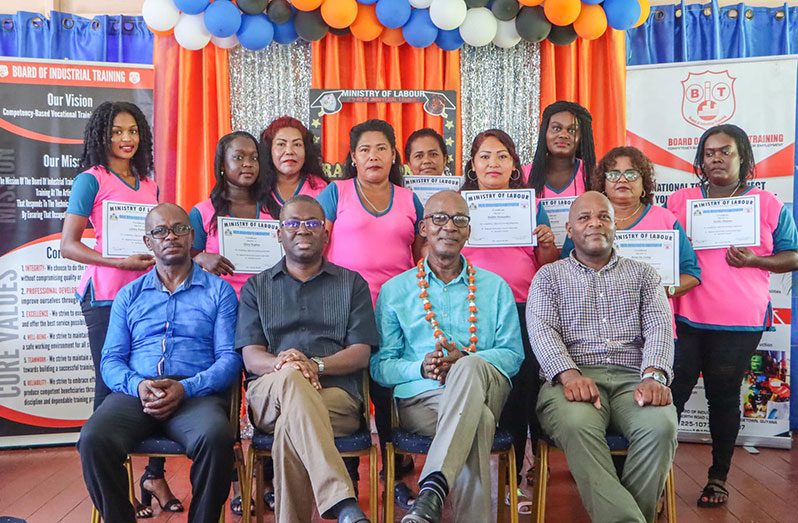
<point x="116" y="166"/>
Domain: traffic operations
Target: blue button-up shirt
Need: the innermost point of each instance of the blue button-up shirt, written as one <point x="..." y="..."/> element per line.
<point x="406" y="336"/>
<point x="189" y="332"/>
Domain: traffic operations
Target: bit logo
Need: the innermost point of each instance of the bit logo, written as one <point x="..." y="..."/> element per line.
<point x="708" y="98"/>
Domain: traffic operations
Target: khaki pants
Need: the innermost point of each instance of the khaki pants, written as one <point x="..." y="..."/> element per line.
<point x="461" y="419"/>
<point x="580" y="430"/>
<point x="304" y="422"/>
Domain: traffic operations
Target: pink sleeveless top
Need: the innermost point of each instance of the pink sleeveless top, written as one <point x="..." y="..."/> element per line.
<point x="305" y="187"/>
<point x="574" y="188"/>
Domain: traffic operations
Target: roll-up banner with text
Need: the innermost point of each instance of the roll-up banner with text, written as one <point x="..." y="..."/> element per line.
<point x="669" y="106"/>
<point x="46" y="372"/>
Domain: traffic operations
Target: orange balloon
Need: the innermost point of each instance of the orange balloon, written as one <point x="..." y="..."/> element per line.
<point x="392" y="37"/>
<point x="169" y="32"/>
<point x="591" y="23"/>
<point x="339" y="13"/>
<point x="645" y="10"/>
<point x="306" y="5"/>
<point x="530" y="3"/>
<point x="562" y="12"/>
<point x="366" y="26"/>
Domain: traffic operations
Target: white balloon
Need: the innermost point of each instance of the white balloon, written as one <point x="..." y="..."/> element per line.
<point x="420" y="4"/>
<point x="479" y="27"/>
<point x="225" y="43"/>
<point x="447" y="14"/>
<point x="191" y="33"/>
<point x="506" y="34"/>
<point x="160" y="15"/>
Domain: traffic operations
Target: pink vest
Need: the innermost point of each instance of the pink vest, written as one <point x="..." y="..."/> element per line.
<point x="105" y="282"/>
<point x="306" y="188"/>
<point x="206" y="210"/>
<point x="729" y="296"/>
<point x="378" y="247"/>
<point x="516" y="265"/>
<point x="575" y="188"/>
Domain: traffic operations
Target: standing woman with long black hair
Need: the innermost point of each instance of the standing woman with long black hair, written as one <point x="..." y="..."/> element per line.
<point x="116" y="166"/>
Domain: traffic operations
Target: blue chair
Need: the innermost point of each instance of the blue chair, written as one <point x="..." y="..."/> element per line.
<point x="161" y="447"/>
<point x="619" y="446"/>
<point x="409" y="443"/>
<point x="354" y="445"/>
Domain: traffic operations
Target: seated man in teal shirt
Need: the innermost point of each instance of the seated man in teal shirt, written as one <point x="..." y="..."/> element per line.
<point x="448" y="346"/>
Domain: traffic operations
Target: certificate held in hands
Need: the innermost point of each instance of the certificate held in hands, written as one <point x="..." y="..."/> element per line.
<point x="557" y="210"/>
<point x="502" y="218"/>
<point x="123" y="228"/>
<point x="425" y="186"/>
<point x="718" y="223"/>
<point x="250" y="245"/>
<point x="660" y="249"/>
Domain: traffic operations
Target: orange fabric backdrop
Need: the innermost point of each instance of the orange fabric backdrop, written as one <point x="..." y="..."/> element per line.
<point x="593" y="74"/>
<point x="343" y="62"/>
<point x="192" y="111"/>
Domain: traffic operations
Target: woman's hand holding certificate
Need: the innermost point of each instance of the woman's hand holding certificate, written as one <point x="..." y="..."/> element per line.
<point x="502" y="218"/>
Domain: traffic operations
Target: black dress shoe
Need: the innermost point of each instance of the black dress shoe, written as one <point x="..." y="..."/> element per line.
<point x="427" y="509"/>
<point x="353" y="516"/>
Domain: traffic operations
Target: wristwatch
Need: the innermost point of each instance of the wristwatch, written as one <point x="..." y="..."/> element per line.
<point x="319" y="363"/>
<point x="671" y="290"/>
<point x="657" y="376"/>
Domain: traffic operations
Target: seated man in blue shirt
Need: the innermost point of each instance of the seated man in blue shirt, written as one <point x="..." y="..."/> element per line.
<point x="169" y="361"/>
<point x="449" y="345"/>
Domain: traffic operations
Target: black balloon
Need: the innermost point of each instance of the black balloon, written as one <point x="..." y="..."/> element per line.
<point x="279" y="11"/>
<point x="476" y="3"/>
<point x="505" y="10"/>
<point x="532" y="24"/>
<point x="562" y="35"/>
<point x="340" y="32"/>
<point x="310" y="25"/>
<point x="252" y="7"/>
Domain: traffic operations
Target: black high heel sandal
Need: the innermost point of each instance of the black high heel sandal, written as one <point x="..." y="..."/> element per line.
<point x="171" y="505"/>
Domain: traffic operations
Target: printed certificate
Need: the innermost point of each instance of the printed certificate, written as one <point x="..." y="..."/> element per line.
<point x="717" y="223"/>
<point x="426" y="186"/>
<point x="660" y="249"/>
<point x="557" y="211"/>
<point x="123" y="228"/>
<point x="502" y="218"/>
<point x="251" y="245"/>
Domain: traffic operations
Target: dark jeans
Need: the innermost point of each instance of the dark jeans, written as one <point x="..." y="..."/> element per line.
<point x="199" y="424"/>
<point x="519" y="417"/>
<point x="382" y="397"/>
<point x="97" y="319"/>
<point x="722" y="357"/>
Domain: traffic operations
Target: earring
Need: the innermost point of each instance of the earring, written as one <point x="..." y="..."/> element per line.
<point x="643" y="195"/>
<point x="515" y="175"/>
<point x="222" y="172"/>
<point x="471" y="175"/>
<point x="354" y="164"/>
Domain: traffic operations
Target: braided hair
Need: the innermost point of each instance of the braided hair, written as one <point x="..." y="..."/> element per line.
<point x="585" y="150"/>
<point x="97" y="138"/>
<point x="219" y="199"/>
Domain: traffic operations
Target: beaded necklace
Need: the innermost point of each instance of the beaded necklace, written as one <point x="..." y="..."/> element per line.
<point x="472" y="306"/>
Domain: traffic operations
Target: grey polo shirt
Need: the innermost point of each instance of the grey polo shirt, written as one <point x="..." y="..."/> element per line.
<point x="319" y="317"/>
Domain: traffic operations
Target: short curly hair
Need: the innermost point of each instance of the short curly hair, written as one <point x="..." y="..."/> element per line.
<point x="639" y="162"/>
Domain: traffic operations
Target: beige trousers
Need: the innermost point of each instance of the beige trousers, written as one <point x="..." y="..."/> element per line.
<point x="461" y="418"/>
<point x="304" y="422"/>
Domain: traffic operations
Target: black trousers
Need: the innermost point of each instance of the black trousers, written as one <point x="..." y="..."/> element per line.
<point x="519" y="417"/>
<point x="722" y="357"/>
<point x="199" y="424"/>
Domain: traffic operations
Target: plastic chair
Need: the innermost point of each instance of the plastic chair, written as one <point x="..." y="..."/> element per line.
<point x="162" y="447"/>
<point x="619" y="446"/>
<point x="354" y="445"/>
<point x="408" y="443"/>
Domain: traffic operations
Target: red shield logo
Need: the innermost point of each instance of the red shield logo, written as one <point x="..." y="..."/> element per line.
<point x="708" y="98"/>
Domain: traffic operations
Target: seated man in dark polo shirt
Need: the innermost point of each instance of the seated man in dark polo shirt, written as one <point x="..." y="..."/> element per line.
<point x="306" y="328"/>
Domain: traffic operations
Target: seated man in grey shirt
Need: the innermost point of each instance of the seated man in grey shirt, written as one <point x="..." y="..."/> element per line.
<point x="600" y="326"/>
<point x="306" y="328"/>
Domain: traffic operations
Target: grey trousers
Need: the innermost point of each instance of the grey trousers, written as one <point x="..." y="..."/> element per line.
<point x="461" y="418"/>
<point x="580" y="430"/>
<point x="304" y="422"/>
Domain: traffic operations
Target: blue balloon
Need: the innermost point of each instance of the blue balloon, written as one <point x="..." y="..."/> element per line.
<point x="592" y="2"/>
<point x="621" y="14"/>
<point x="285" y="33"/>
<point x="449" y="40"/>
<point x="192" y="7"/>
<point x="256" y="32"/>
<point x="393" y="13"/>
<point x="419" y="31"/>
<point x="222" y="18"/>
<point x="366" y="2"/>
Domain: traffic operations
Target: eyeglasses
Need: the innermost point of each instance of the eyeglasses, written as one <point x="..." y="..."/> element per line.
<point x="630" y="175"/>
<point x="440" y="219"/>
<point x="313" y="224"/>
<point x="159" y="233"/>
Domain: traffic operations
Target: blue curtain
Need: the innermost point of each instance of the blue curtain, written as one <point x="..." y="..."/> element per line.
<point x="689" y="33"/>
<point x="101" y="39"/>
